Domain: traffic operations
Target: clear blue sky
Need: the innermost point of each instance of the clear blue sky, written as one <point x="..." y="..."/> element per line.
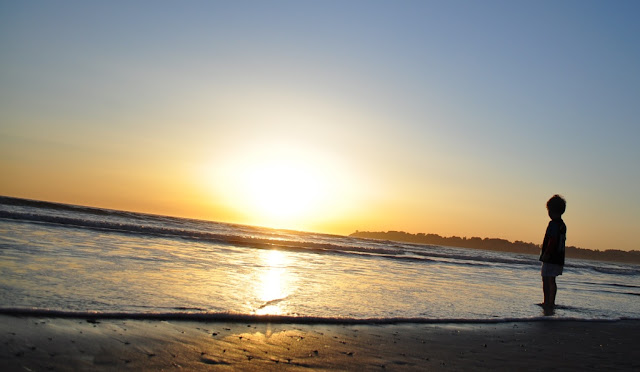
<point x="451" y="117"/>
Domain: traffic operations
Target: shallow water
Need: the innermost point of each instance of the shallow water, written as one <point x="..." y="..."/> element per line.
<point x="80" y="259"/>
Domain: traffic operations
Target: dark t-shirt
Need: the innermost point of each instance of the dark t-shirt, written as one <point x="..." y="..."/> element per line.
<point x="554" y="240"/>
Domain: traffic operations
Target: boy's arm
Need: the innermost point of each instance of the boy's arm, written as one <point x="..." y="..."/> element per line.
<point x="547" y="252"/>
<point x="548" y="244"/>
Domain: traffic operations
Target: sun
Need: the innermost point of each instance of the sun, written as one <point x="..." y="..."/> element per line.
<point x="282" y="188"/>
<point x="279" y="185"/>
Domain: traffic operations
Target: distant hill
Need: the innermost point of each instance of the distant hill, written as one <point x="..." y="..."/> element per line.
<point x="493" y="244"/>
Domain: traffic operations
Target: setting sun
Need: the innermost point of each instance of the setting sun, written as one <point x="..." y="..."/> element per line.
<point x="281" y="185"/>
<point x="282" y="188"/>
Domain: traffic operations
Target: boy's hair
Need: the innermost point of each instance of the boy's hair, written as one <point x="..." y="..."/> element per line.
<point x="556" y="204"/>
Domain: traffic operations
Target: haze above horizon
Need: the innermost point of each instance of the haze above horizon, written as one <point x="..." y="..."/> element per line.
<point x="456" y="118"/>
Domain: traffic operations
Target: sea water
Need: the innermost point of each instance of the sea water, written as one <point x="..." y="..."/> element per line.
<point x="70" y="260"/>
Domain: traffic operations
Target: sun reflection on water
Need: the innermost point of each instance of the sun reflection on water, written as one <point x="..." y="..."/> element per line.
<point x="274" y="282"/>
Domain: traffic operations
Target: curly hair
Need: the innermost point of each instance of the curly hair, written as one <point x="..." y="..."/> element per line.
<point x="557" y="204"/>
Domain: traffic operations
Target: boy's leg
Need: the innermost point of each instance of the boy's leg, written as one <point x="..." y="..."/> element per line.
<point x="545" y="290"/>
<point x="553" y="289"/>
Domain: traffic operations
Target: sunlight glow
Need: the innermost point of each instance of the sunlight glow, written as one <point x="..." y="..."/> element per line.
<point x="273" y="286"/>
<point x="282" y="188"/>
<point x="281" y="184"/>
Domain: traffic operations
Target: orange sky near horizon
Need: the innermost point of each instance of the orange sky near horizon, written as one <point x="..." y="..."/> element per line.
<point x="198" y="191"/>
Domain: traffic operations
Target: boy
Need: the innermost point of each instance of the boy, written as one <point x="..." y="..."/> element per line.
<point x="552" y="255"/>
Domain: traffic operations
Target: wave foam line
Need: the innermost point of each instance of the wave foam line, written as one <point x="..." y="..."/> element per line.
<point x="198" y="235"/>
<point x="233" y="317"/>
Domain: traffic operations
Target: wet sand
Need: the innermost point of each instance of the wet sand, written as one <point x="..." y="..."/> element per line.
<point x="40" y="344"/>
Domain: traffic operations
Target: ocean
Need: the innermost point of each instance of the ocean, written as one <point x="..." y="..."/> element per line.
<point x="65" y="260"/>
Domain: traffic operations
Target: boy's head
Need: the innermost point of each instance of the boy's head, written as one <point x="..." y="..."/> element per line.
<point x="556" y="206"/>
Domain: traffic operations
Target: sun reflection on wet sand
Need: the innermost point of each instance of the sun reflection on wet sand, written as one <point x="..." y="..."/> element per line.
<point x="274" y="285"/>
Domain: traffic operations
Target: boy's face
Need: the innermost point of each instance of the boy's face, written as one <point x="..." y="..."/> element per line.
<point x="553" y="215"/>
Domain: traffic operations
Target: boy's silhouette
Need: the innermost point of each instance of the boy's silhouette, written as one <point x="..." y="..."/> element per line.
<point x="552" y="255"/>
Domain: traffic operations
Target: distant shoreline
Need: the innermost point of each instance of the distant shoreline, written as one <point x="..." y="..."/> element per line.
<point x="500" y="245"/>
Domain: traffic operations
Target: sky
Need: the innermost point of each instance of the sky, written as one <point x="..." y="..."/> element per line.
<point x="448" y="117"/>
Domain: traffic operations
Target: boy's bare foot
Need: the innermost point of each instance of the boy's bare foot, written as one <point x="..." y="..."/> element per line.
<point x="548" y="309"/>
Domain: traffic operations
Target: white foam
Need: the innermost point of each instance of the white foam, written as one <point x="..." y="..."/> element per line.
<point x="235" y="317"/>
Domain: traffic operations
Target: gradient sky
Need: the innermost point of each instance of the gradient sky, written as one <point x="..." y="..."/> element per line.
<point x="448" y="117"/>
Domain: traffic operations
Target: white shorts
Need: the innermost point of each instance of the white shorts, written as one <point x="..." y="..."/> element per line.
<point x="549" y="269"/>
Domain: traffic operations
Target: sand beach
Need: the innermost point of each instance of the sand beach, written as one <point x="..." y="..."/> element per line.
<point x="39" y="343"/>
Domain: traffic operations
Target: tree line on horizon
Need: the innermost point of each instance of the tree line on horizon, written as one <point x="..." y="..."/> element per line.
<point x="496" y="244"/>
